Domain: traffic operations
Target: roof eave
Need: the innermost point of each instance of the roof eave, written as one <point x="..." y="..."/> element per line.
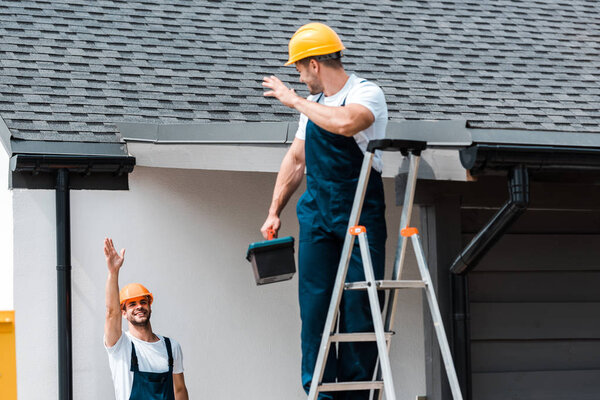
<point x="260" y="146"/>
<point x="217" y="133"/>
<point x="99" y="166"/>
<point x="5" y="136"/>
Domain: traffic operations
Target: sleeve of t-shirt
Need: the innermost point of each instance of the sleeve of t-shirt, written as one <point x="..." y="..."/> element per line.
<point x="117" y="347"/>
<point x="301" y="132"/>
<point x="177" y="357"/>
<point x="369" y="95"/>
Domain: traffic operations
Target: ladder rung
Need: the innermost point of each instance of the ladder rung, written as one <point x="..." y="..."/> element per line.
<point x="345" y="386"/>
<point x="358" y="337"/>
<point x="390" y="284"/>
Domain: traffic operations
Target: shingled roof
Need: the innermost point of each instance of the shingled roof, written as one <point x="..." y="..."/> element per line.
<point x="70" y="69"/>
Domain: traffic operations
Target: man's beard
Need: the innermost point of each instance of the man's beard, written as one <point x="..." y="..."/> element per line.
<point x="314" y="89"/>
<point x="142" y="323"/>
<point x="314" y="85"/>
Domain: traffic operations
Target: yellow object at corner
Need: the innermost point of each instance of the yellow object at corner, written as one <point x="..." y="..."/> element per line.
<point x="8" y="363"/>
<point x="314" y="39"/>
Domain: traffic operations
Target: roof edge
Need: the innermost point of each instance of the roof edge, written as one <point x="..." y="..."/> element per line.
<point x="437" y="133"/>
<point x="94" y="149"/>
<point x="95" y="165"/>
<point x="534" y="137"/>
<point x="443" y="133"/>
<point x="5" y="136"/>
<point x="238" y="133"/>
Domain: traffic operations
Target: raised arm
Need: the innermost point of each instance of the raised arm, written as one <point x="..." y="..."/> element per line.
<point x="112" y="324"/>
<point x="288" y="179"/>
<point x="345" y="121"/>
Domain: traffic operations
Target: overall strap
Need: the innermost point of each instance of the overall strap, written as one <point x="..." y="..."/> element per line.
<point x="344" y="102"/>
<point x="134" y="360"/>
<point x="169" y="352"/>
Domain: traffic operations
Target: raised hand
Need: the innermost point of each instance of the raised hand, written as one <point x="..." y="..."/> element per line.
<point x="280" y="91"/>
<point x="114" y="260"/>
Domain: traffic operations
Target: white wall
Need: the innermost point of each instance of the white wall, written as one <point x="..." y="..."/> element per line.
<point x="6" y="237"/>
<point x="186" y="233"/>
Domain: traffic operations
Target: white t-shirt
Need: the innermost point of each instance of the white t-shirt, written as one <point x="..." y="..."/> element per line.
<point x="152" y="357"/>
<point x="367" y="94"/>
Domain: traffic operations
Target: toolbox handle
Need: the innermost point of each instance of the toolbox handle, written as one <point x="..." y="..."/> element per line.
<point x="271" y="234"/>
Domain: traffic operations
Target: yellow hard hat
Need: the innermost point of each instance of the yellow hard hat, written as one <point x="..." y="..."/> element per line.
<point x="314" y="39"/>
<point x="134" y="291"/>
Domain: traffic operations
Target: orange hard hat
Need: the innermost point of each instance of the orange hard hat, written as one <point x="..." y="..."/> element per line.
<point x="134" y="291"/>
<point x="314" y="39"/>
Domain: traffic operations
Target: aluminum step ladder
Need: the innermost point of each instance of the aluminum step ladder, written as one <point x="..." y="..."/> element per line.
<point x="383" y="329"/>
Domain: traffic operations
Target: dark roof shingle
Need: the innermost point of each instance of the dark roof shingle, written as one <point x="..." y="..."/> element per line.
<point x="70" y="69"/>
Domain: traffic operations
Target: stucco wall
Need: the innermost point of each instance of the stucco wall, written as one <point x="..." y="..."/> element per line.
<point x="6" y="237"/>
<point x="186" y="233"/>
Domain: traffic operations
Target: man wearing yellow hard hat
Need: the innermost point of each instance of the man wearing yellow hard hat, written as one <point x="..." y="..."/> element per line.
<point x="144" y="365"/>
<point x="342" y="113"/>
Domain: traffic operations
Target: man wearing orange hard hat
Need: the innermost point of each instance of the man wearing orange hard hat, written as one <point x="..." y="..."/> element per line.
<point x="144" y="365"/>
<point x="337" y="120"/>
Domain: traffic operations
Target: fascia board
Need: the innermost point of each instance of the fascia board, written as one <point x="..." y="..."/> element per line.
<point x="452" y="133"/>
<point x="437" y="164"/>
<point x="248" y="132"/>
<point x="260" y="147"/>
<point x="291" y="132"/>
<point x="68" y="148"/>
<point x="136" y="131"/>
<point x="237" y="133"/>
<point x="524" y="137"/>
<point x="210" y="156"/>
<point x="442" y="134"/>
<point x="5" y="137"/>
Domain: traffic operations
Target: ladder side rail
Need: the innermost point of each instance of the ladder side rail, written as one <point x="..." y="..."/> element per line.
<point x="392" y="301"/>
<point x="405" y="217"/>
<point x="382" y="347"/>
<point x="437" y="319"/>
<point x="340" y="278"/>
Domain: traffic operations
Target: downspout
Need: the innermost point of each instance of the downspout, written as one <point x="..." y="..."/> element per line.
<point x="63" y="272"/>
<point x="63" y="165"/>
<point x="518" y="187"/>
<point x="461" y="332"/>
<point x="517" y="159"/>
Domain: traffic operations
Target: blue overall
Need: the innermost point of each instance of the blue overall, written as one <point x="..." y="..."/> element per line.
<point x="333" y="164"/>
<point x="152" y="385"/>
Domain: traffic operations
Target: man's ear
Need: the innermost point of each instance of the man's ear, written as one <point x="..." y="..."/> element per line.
<point x="314" y="65"/>
<point x="123" y="312"/>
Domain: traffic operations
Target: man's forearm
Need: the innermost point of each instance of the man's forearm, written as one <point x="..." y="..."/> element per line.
<point x="288" y="179"/>
<point x="112" y="292"/>
<point x="181" y="394"/>
<point x="112" y="323"/>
